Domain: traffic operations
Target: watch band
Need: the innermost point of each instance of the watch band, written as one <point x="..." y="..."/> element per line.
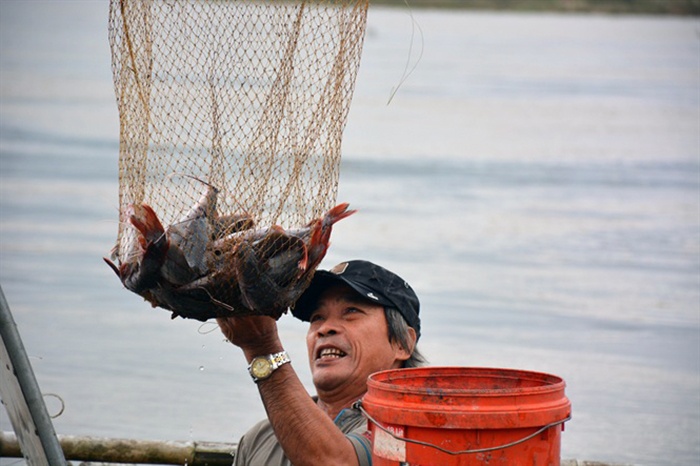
<point x="279" y="359"/>
<point x="262" y="367"/>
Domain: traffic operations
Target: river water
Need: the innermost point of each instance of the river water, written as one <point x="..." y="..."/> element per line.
<point x="536" y="178"/>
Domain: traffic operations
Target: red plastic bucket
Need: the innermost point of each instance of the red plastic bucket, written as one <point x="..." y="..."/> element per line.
<point x="457" y="416"/>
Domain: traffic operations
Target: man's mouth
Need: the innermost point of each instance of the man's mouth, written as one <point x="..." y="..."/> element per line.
<point x="330" y="353"/>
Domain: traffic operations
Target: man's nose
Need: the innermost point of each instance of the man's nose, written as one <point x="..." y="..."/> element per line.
<point x="330" y="326"/>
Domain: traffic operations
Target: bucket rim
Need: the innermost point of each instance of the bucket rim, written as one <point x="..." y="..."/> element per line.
<point x="387" y="380"/>
<point x="430" y="399"/>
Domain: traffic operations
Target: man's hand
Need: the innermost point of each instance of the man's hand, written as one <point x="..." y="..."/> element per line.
<point x="255" y="335"/>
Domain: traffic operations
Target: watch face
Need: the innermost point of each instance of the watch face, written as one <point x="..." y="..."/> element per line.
<point x="261" y="368"/>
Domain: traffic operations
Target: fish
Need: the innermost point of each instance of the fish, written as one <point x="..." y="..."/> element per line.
<point x="208" y="265"/>
<point x="161" y="262"/>
<point x="191" y="233"/>
<point x="319" y="234"/>
<point x="266" y="271"/>
<point x="140" y="270"/>
<point x="229" y="224"/>
<point x="273" y="267"/>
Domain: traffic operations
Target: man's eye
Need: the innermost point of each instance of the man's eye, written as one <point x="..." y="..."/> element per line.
<point x="314" y="318"/>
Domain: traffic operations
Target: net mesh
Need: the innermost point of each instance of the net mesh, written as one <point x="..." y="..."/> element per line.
<point x="231" y="119"/>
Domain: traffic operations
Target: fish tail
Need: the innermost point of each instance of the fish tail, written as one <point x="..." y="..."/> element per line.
<point x="145" y="220"/>
<point x="337" y="213"/>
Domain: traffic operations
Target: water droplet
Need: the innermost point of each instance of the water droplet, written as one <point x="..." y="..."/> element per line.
<point x="201" y="368"/>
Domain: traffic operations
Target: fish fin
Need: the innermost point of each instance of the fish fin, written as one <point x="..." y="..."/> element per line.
<point x="113" y="266"/>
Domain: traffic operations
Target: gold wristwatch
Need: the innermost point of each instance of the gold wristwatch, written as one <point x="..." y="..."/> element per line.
<point x="262" y="367"/>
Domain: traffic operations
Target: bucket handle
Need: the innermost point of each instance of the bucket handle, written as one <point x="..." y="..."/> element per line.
<point x="358" y="405"/>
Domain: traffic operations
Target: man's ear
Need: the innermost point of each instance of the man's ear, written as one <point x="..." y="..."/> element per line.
<point x="402" y="354"/>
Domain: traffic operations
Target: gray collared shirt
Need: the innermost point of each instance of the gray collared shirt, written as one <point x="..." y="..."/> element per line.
<point x="259" y="446"/>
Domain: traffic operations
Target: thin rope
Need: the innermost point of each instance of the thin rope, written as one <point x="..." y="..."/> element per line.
<point x="63" y="404"/>
<point x="358" y="405"/>
<point x="406" y="71"/>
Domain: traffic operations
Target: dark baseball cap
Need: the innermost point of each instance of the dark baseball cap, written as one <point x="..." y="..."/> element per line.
<point x="371" y="281"/>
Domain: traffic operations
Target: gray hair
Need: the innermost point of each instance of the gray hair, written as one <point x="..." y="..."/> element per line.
<point x="398" y="333"/>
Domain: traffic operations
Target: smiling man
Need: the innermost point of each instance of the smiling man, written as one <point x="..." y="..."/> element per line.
<point x="362" y="319"/>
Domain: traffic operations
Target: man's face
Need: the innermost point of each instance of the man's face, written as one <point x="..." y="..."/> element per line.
<point x="347" y="341"/>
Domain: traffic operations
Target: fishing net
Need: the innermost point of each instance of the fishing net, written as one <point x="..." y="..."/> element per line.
<point x="231" y="118"/>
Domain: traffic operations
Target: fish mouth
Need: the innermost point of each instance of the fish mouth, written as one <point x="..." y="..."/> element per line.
<point x="329" y="352"/>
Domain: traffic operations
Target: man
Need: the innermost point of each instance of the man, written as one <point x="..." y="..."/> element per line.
<point x="362" y="319"/>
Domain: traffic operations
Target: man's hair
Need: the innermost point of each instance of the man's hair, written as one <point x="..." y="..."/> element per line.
<point x="398" y="333"/>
